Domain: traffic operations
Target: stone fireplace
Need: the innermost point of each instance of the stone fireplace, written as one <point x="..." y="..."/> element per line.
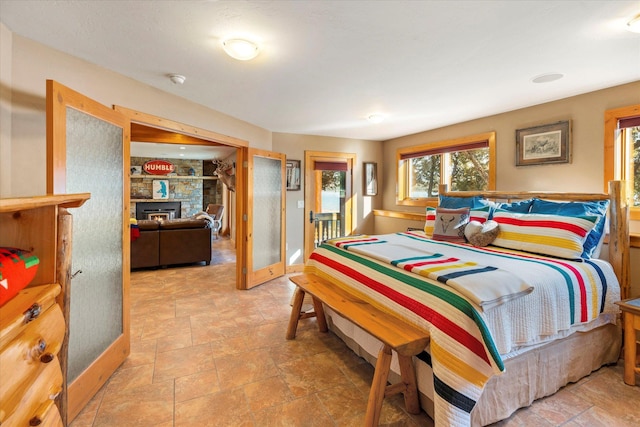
<point x="157" y="210"/>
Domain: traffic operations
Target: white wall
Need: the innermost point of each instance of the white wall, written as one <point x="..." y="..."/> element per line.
<point x="31" y="64"/>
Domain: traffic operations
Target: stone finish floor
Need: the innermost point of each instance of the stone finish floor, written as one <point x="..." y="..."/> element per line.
<point x="206" y="354"/>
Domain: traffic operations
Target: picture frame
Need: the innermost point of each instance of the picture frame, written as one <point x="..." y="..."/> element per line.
<point x="136" y="170"/>
<point x="545" y="144"/>
<point x="293" y="175"/>
<point x="160" y="189"/>
<point x="370" y="180"/>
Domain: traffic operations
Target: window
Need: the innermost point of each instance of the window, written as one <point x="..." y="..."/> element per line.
<point x="622" y="152"/>
<point x="465" y="164"/>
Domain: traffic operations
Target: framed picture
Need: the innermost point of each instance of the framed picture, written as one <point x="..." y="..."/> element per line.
<point x="370" y="179"/>
<point x="544" y="144"/>
<point x="161" y="189"/>
<point x="136" y="170"/>
<point x="293" y="175"/>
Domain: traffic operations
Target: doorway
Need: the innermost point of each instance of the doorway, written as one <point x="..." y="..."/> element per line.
<point x="328" y="197"/>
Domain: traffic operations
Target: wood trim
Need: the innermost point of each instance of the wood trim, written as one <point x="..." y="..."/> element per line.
<point x="83" y="388"/>
<point x="611" y="118"/>
<point x="180" y="128"/>
<point x="413" y="216"/>
<point x="310" y="181"/>
<point x="63" y="200"/>
<point x="402" y="195"/>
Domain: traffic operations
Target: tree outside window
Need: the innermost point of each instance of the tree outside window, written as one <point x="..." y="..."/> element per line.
<point x="465" y="164"/>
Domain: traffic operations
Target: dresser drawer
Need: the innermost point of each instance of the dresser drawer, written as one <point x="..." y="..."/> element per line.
<point x="21" y="359"/>
<point x="26" y="306"/>
<point x="33" y="328"/>
<point x="35" y="400"/>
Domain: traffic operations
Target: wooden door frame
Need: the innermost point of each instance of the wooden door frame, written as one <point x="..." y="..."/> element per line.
<point x="199" y="136"/>
<point x="309" y="181"/>
<point x="258" y="277"/>
<point x="59" y="98"/>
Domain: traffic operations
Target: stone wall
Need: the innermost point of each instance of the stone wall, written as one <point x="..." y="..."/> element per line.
<point x="187" y="191"/>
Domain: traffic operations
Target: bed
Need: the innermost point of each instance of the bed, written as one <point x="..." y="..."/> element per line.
<point x="510" y="320"/>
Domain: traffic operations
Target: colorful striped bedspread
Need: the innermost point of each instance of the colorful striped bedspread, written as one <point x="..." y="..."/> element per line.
<point x="467" y="341"/>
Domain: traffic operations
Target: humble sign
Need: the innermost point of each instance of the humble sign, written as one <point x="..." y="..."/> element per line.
<point x="158" y="167"/>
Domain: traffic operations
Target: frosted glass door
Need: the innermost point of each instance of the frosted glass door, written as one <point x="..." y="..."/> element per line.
<point x="266" y="246"/>
<point x="88" y="152"/>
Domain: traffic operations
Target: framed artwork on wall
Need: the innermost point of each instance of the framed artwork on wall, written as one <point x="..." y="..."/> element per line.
<point x="370" y="179"/>
<point x="544" y="144"/>
<point x="293" y="175"/>
<point x="161" y="189"/>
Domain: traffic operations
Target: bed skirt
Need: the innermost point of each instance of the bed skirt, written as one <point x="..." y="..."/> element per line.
<point x="531" y="375"/>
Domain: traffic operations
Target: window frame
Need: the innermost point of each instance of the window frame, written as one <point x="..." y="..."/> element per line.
<point x="402" y="170"/>
<point x="617" y="154"/>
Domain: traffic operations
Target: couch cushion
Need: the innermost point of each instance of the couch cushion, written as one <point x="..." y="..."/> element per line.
<point x="173" y="224"/>
<point x="148" y="224"/>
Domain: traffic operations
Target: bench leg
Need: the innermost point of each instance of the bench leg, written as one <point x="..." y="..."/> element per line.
<point x="378" y="387"/>
<point x="298" y="297"/>
<point x="319" y="310"/>
<point x="408" y="374"/>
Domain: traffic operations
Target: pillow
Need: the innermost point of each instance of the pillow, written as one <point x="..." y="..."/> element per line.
<point x="479" y="234"/>
<point x="552" y="235"/>
<point x="459" y="202"/>
<point x="449" y="224"/>
<point x="18" y="267"/>
<point x="478" y="214"/>
<point x="522" y="206"/>
<point x="596" y="208"/>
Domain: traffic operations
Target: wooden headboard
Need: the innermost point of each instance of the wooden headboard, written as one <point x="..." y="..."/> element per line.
<point x="618" y="243"/>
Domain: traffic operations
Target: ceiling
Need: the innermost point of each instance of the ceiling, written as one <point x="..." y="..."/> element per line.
<point x="325" y="66"/>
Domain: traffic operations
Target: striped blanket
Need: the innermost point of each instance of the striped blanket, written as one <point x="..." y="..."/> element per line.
<point x="463" y="349"/>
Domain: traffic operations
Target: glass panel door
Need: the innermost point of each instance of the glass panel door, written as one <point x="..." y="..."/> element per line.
<point x="266" y="219"/>
<point x="88" y="152"/>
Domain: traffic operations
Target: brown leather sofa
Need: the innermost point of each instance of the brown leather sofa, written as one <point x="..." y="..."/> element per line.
<point x="171" y="242"/>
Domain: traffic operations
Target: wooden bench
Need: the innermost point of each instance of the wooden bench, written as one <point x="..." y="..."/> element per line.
<point x="396" y="334"/>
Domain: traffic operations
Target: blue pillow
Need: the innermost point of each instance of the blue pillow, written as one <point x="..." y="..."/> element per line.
<point x="598" y="208"/>
<point x="460" y="202"/>
<point x="522" y="206"/>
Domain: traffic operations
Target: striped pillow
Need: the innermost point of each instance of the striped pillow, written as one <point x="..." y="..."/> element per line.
<point x="477" y="214"/>
<point x="553" y="235"/>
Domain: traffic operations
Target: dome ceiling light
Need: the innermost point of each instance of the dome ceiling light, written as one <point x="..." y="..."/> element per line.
<point x="547" y="77"/>
<point x="375" y="118"/>
<point x="240" y="49"/>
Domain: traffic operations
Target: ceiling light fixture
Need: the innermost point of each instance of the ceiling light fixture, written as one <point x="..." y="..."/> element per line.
<point x="634" y="24"/>
<point x="240" y="49"/>
<point x="177" y="79"/>
<point x="375" y="118"/>
<point x="547" y="77"/>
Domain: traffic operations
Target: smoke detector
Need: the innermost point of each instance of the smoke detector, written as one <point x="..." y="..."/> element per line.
<point x="177" y="79"/>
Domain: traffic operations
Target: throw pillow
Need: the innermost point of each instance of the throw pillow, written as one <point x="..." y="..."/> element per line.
<point x="449" y="224"/>
<point x="553" y="235"/>
<point x="18" y="267"/>
<point x="599" y="208"/>
<point x="479" y="234"/>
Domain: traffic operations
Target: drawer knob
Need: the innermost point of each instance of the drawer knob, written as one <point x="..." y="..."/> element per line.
<point x="35" y="421"/>
<point x="46" y="358"/>
<point x="38" y="349"/>
<point x="32" y="312"/>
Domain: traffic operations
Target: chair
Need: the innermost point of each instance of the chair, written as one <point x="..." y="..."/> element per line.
<point x="216" y="212"/>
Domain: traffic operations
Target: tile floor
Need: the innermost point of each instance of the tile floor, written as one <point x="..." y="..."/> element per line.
<point x="206" y="354"/>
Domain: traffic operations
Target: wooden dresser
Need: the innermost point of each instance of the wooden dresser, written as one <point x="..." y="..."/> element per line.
<point x="33" y="332"/>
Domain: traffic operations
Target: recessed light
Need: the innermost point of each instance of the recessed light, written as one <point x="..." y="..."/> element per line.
<point x="547" y="77"/>
<point x="183" y="148"/>
<point x="241" y="49"/>
<point x="375" y="118"/>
